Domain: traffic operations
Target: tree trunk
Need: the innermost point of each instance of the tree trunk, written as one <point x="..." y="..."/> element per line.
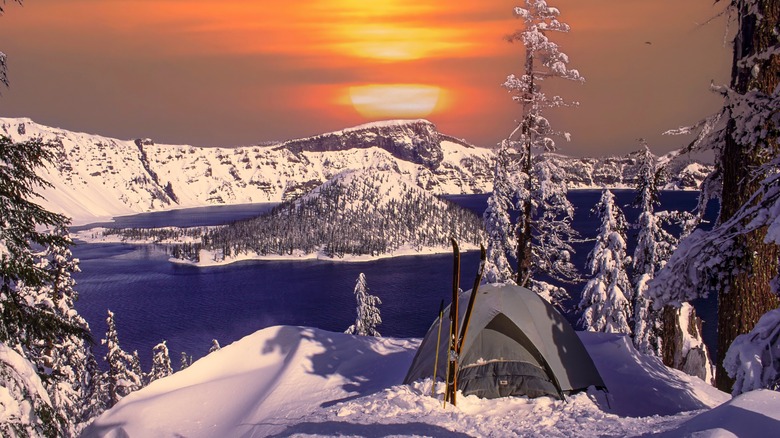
<point x="524" y="235"/>
<point x="742" y="301"/>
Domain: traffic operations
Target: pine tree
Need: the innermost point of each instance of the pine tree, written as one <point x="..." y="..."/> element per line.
<point x="739" y="257"/>
<point x="3" y="64"/>
<point x="161" y="362"/>
<point x="26" y="408"/>
<point x="653" y="248"/>
<point x="753" y="360"/>
<point x="605" y="303"/>
<point x="367" y="309"/>
<point x="498" y="225"/>
<point x="184" y="361"/>
<point x="63" y="362"/>
<point x="214" y="346"/>
<point x="544" y="225"/>
<point x="122" y="377"/>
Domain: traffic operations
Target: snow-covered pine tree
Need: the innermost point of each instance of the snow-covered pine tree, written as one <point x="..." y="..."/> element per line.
<point x="739" y="257"/>
<point x="498" y="225"/>
<point x="26" y="408"/>
<point x="34" y="319"/>
<point x="539" y="185"/>
<point x="122" y="378"/>
<point x="605" y="302"/>
<point x="3" y="65"/>
<point x="671" y="333"/>
<point x="367" y="309"/>
<point x="161" y="362"/>
<point x="63" y="362"/>
<point x="135" y="367"/>
<point x="96" y="398"/>
<point x="754" y="358"/>
<point x="653" y="248"/>
<point x="214" y="346"/>
<point x="184" y="360"/>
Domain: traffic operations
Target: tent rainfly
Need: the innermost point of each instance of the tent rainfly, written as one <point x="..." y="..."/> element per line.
<point x="517" y="344"/>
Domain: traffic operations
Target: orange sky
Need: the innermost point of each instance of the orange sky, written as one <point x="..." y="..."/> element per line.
<point x="236" y="72"/>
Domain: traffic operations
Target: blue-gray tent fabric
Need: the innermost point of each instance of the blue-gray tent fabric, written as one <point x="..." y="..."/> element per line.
<point x="554" y="345"/>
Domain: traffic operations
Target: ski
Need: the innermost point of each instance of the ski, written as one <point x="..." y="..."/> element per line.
<point x="472" y="299"/>
<point x="452" y="369"/>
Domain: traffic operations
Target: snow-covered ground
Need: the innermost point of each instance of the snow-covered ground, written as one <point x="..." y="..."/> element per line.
<point x="297" y="381"/>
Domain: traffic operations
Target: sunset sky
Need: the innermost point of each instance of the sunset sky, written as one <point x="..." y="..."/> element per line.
<point x="236" y="72"/>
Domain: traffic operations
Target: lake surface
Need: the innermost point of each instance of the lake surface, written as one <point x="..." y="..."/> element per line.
<point x="155" y="300"/>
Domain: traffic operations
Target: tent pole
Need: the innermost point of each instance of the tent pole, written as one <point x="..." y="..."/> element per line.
<point x="438" y="342"/>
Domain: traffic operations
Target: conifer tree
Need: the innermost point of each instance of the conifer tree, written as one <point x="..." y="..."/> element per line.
<point x="122" y="377"/>
<point x="63" y="362"/>
<point x="605" y="302"/>
<point x="671" y="333"/>
<point x="214" y="346"/>
<point x="161" y="362"/>
<point x="498" y="225"/>
<point x="367" y="309"/>
<point x="184" y="361"/>
<point x="739" y="257"/>
<point x="653" y="248"/>
<point x="544" y="224"/>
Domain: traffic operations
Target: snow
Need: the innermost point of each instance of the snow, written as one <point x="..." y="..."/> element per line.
<point x="284" y="381"/>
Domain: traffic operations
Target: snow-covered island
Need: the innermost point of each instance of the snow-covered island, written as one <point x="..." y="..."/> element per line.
<point x="356" y="216"/>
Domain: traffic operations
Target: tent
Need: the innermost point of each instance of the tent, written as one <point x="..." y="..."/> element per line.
<point x="516" y="344"/>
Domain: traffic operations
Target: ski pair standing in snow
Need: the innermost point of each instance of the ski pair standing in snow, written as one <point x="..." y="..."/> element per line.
<point x="456" y="338"/>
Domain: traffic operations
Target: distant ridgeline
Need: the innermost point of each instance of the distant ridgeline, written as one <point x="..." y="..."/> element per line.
<point x="97" y="176"/>
<point x="370" y="213"/>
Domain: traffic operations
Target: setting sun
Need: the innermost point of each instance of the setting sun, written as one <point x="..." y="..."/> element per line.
<point x="394" y="100"/>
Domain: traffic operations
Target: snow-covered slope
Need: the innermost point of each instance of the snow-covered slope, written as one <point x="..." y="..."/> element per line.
<point x="682" y="172"/>
<point x="100" y="177"/>
<point x="97" y="176"/>
<point x="292" y="381"/>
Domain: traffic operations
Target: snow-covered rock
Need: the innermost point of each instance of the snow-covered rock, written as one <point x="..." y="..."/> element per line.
<point x="290" y="381"/>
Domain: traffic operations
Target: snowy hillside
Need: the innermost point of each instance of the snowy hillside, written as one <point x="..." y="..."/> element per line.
<point x="284" y="381"/>
<point x="100" y="177"/>
<point x="682" y="173"/>
<point x="362" y="214"/>
<point x="97" y="176"/>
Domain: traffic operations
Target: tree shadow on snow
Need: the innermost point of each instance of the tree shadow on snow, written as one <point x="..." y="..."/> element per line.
<point x="355" y="358"/>
<point x="335" y="428"/>
<point x="640" y="385"/>
<point x="738" y="421"/>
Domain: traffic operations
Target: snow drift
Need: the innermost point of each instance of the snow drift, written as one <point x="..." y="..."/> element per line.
<point x="284" y="381"/>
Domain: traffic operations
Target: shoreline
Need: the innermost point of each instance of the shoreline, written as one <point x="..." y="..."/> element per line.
<point x="404" y="251"/>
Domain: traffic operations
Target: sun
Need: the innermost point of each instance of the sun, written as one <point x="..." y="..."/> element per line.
<point x="394" y="100"/>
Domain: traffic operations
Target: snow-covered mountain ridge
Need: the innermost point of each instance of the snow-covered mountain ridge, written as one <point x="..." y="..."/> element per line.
<point x="99" y="177"/>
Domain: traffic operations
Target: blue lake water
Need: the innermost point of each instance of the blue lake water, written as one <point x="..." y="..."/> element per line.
<point x="154" y="299"/>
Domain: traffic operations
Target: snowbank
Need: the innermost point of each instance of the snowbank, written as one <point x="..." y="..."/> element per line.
<point x="284" y="381"/>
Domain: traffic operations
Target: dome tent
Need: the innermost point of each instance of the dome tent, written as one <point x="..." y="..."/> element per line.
<point x="516" y="344"/>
